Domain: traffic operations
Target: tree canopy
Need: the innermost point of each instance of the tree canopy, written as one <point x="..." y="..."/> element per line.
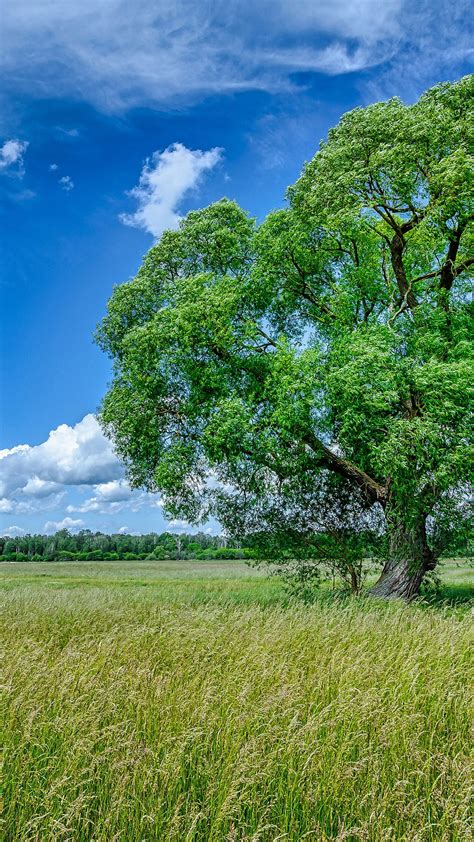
<point x="260" y="368"/>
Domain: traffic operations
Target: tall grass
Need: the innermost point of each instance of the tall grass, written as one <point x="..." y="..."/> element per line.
<point x="135" y="713"/>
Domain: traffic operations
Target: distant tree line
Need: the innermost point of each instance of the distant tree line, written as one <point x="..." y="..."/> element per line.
<point x="98" y="546"/>
<point x="344" y="554"/>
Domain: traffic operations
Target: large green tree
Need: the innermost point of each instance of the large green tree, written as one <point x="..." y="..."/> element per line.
<point x="256" y="367"/>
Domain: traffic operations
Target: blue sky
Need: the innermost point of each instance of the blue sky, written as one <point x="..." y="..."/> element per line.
<point x="118" y="118"/>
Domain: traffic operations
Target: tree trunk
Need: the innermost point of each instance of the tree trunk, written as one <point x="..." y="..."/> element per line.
<point x="355" y="580"/>
<point x="410" y="559"/>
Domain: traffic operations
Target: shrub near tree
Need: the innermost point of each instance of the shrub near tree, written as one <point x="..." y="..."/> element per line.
<point x="331" y="340"/>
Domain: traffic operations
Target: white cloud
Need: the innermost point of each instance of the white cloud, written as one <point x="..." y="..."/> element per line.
<point x="66" y="183"/>
<point x="436" y="40"/>
<point x="73" y="462"/>
<point x="79" y="455"/>
<point x="13" y="531"/>
<point x="68" y="132"/>
<point x="114" y="497"/>
<point x="114" y="491"/>
<point x="123" y="530"/>
<point x="117" y="54"/>
<point x="164" y="181"/>
<point x="9" y="507"/>
<point x="53" y="167"/>
<point x="36" y="487"/>
<point x="50" y="476"/>
<point x="11" y="155"/>
<point x="66" y="523"/>
<point x="363" y="19"/>
<point x="177" y="525"/>
<point x="22" y="195"/>
<point x="14" y="505"/>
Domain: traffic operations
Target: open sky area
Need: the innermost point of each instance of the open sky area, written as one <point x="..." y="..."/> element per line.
<point x="118" y="118"/>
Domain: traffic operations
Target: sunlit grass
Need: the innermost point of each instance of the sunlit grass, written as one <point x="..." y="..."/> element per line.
<point x="170" y="703"/>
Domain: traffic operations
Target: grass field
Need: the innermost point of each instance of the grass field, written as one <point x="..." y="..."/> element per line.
<point x="194" y="701"/>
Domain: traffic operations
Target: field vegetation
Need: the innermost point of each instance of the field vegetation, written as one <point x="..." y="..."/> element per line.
<point x="195" y="700"/>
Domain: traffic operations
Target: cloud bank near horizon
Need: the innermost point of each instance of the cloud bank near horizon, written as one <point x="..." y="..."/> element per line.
<point x="40" y="478"/>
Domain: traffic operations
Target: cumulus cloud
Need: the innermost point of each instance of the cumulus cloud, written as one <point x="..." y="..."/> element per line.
<point x="14" y="531"/>
<point x="165" y="180"/>
<point x="53" y="167"/>
<point x="117" y="54"/>
<point x="66" y="183"/>
<point x="18" y="506"/>
<point x="79" y="455"/>
<point x="11" y="156"/>
<point x="36" y="487"/>
<point x="114" y="491"/>
<point x="6" y="506"/>
<point x="74" y="473"/>
<point x="67" y="523"/>
<point x="114" y="497"/>
<point x="73" y="461"/>
<point x="177" y="525"/>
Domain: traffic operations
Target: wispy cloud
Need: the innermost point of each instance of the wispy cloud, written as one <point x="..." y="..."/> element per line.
<point x="72" y="133"/>
<point x="165" y="180"/>
<point x="22" y="195"/>
<point x="436" y="43"/>
<point x="177" y="525"/>
<point x="117" y="54"/>
<point x="66" y="183"/>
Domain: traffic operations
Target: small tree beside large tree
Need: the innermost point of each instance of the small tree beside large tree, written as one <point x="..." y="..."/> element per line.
<point x="255" y="364"/>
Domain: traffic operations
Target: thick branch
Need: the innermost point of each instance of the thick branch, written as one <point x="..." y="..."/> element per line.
<point x="449" y="271"/>
<point x="376" y="492"/>
<point x="461" y="267"/>
<point x="397" y="247"/>
<point x="445" y="271"/>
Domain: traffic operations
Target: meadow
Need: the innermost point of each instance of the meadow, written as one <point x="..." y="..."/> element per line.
<point x="196" y="701"/>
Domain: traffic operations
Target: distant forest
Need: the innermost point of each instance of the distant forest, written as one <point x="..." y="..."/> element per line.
<point x="97" y="546"/>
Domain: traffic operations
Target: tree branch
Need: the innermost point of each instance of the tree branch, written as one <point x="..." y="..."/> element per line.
<point x="307" y="293"/>
<point x="397" y="247"/>
<point x="376" y="492"/>
<point x="449" y="271"/>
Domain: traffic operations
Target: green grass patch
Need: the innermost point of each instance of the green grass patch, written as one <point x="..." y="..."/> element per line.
<point x="193" y="701"/>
